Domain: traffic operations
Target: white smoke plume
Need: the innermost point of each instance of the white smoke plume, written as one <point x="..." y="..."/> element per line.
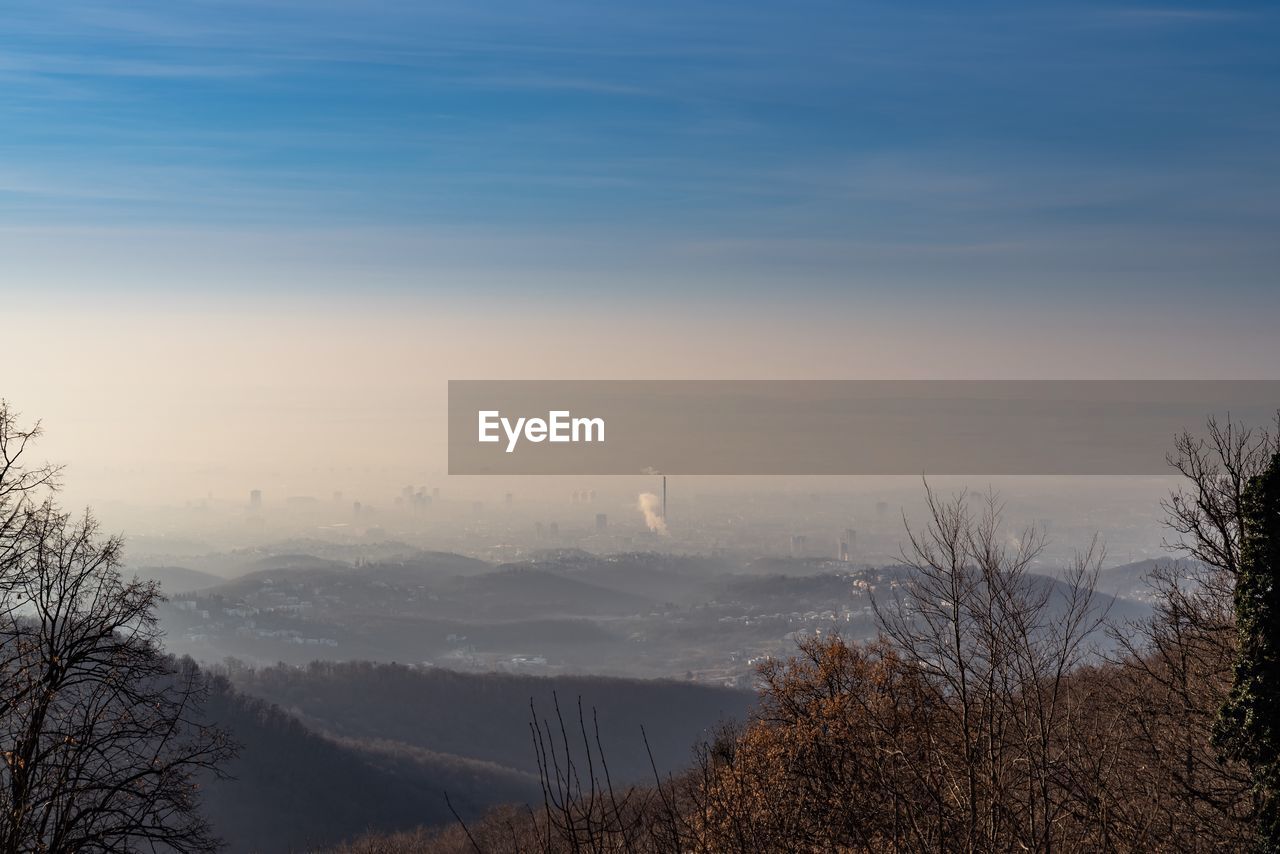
<point x="651" y="506"/>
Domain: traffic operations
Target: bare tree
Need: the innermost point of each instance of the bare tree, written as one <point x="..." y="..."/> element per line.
<point x="996" y="645"/>
<point x="101" y="738"/>
<point x="1175" y="668"/>
<point x="582" y="809"/>
<point x="1207" y="513"/>
<point x="1173" y="674"/>
<point x="21" y="483"/>
<point x="964" y="728"/>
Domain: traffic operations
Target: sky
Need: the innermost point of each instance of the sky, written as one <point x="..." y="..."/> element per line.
<point x="434" y="146"/>
<point x="220" y="214"/>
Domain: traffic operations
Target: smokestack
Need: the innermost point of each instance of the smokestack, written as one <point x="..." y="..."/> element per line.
<point x="664" y="498"/>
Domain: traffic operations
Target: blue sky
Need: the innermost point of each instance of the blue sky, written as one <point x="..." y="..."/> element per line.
<point x="772" y="148"/>
<point x="219" y="218"/>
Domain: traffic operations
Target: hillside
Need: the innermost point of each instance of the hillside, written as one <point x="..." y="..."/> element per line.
<point x="1132" y="580"/>
<point x="178" y="579"/>
<point x="292" y="788"/>
<point x="486" y="716"/>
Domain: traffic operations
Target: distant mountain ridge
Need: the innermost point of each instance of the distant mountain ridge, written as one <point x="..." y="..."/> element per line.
<point x="177" y="579"/>
<point x="1132" y="580"/>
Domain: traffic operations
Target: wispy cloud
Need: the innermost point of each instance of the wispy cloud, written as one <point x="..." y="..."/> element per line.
<point x="706" y="142"/>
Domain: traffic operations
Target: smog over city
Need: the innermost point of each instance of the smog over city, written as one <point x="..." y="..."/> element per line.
<point x="666" y="428"/>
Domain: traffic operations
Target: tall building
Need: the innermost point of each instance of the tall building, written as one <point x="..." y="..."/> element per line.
<point x="255" y="498"/>
<point x="602" y="522"/>
<point x="848" y="542"/>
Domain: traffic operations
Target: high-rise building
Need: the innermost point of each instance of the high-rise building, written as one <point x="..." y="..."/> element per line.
<point x="602" y="522"/>
<point x="255" y="498"/>
<point x="848" y="543"/>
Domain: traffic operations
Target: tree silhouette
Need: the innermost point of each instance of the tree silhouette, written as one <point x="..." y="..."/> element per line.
<point x="101" y="737"/>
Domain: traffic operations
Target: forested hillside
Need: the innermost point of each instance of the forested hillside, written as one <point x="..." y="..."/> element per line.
<point x="291" y="788"/>
<point x="486" y="716"/>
